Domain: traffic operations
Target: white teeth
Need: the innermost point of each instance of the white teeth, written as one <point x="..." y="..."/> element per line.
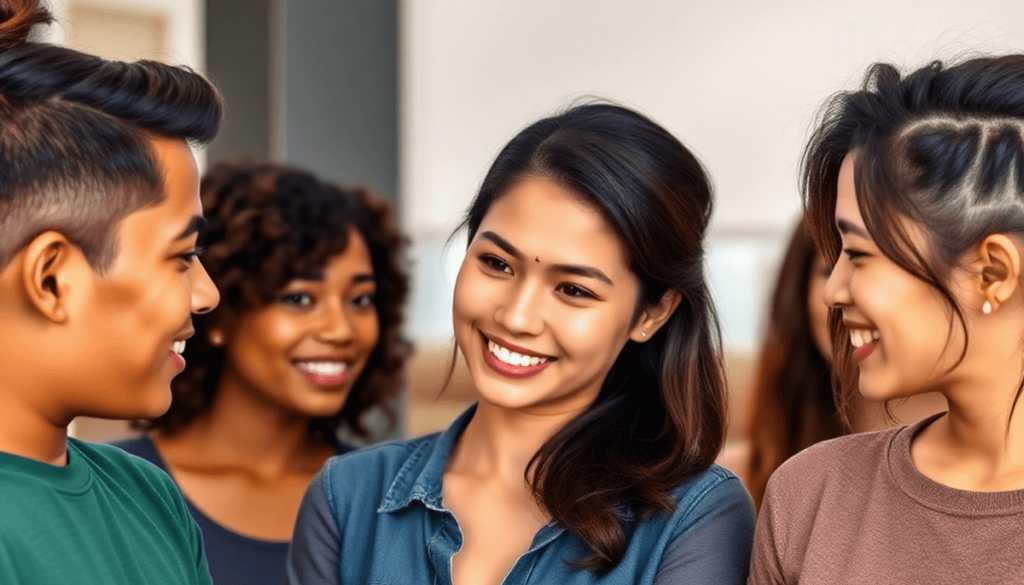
<point x="178" y="347"/>
<point x="510" y="357"/>
<point x="862" y="337"/>
<point x="322" y="368"/>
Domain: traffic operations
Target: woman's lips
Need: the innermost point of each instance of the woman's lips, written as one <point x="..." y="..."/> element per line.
<point x="862" y="352"/>
<point x="506" y="369"/>
<point x="325" y="380"/>
<point x="510" y="371"/>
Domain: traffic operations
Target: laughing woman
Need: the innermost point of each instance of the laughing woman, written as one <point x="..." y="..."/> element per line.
<point x="584" y="316"/>
<point x="915" y="190"/>
<point x="305" y="340"/>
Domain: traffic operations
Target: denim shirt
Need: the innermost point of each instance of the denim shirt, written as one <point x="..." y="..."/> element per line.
<point x="376" y="516"/>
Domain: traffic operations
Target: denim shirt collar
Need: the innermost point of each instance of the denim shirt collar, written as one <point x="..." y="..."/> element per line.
<point x="420" y="478"/>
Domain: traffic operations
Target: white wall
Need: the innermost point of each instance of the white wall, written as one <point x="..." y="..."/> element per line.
<point x="185" y="29"/>
<point x="738" y="82"/>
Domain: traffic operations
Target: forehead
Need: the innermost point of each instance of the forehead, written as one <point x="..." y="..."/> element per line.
<point x="340" y="268"/>
<point x="543" y="220"/>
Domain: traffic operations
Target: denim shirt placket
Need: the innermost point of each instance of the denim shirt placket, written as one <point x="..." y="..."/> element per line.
<point x="445" y="536"/>
<point x="447" y="540"/>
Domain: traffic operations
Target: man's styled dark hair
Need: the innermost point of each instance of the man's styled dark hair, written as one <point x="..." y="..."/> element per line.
<point x="75" y="155"/>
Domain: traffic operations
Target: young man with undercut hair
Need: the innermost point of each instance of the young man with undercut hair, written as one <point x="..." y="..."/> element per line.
<point x="99" y="215"/>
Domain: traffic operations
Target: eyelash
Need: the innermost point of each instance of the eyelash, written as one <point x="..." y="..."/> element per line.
<point x="853" y="254"/>
<point x="496" y="264"/>
<point x="583" y="293"/>
<point x="189" y="257"/>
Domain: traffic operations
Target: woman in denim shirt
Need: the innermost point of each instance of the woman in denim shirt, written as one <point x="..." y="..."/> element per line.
<point x="583" y="313"/>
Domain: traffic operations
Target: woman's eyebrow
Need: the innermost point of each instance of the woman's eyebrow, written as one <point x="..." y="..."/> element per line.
<point x="503" y="244"/>
<point x="846" y="227"/>
<point x="582" y="270"/>
<point x="577" y="269"/>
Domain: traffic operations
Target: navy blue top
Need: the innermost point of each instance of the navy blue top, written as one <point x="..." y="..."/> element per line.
<point x="377" y="516"/>
<point x="233" y="559"/>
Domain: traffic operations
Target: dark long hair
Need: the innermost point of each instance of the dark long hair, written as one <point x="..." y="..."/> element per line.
<point x="75" y="155"/>
<point x="941" y="147"/>
<point x="792" y="404"/>
<point x="269" y="223"/>
<point x="660" y="415"/>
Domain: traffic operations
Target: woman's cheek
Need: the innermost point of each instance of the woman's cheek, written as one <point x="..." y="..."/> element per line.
<point x="582" y="324"/>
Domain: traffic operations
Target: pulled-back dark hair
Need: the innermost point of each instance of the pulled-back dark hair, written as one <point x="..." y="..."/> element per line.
<point x="660" y="415"/>
<point x="792" y="406"/>
<point x="942" y="147"/>
<point x="74" y="135"/>
<point x="270" y="223"/>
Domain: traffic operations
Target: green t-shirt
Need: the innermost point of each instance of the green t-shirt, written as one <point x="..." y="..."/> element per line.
<point x="106" y="518"/>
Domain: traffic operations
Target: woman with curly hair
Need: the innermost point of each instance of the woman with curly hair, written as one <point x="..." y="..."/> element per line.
<point x="305" y="341"/>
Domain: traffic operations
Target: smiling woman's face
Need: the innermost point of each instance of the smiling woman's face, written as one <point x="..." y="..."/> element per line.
<point x="544" y="301"/>
<point x="900" y="325"/>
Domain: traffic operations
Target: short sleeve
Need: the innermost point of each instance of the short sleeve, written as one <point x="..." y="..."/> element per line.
<point x="315" y="555"/>
<point x="766" y="565"/>
<point x="713" y="541"/>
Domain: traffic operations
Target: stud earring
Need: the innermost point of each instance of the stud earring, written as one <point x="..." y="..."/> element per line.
<point x="643" y="333"/>
<point x="986" y="308"/>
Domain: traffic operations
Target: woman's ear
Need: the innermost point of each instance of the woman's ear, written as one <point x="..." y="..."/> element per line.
<point x="46" y="264"/>
<point x="999" y="264"/>
<point x="655" y="316"/>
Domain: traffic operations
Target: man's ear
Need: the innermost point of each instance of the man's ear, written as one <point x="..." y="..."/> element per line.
<point x="999" y="264"/>
<point x="655" y="316"/>
<point x="47" y="262"/>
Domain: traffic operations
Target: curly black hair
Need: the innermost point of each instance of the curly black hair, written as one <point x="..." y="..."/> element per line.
<point x="269" y="223"/>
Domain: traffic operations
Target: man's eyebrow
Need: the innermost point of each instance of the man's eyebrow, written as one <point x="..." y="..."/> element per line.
<point x="846" y="227"/>
<point x="583" y="270"/>
<point x="195" y="225"/>
<point x="503" y="244"/>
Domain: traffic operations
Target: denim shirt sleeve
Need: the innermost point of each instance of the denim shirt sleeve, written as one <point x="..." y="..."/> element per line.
<point x="315" y="554"/>
<point x="712" y="543"/>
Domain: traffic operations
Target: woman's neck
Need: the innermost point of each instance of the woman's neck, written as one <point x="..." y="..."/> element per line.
<point x="240" y="428"/>
<point x="500" y="442"/>
<point x="977" y="446"/>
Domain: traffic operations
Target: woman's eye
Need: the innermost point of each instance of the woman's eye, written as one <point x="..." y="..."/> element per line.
<point x="496" y="264"/>
<point x="576" y="292"/>
<point x="363" y="301"/>
<point x="853" y="254"/>
<point x="297" y="299"/>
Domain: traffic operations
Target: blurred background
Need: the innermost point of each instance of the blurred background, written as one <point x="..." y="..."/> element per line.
<point x="415" y="97"/>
